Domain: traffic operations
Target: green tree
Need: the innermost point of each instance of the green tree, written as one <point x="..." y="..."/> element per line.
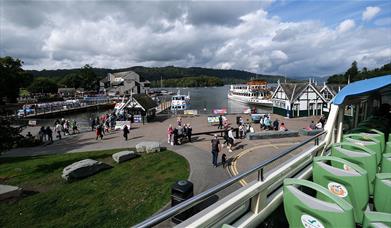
<point x="12" y="77"/>
<point x="352" y="72"/>
<point x="90" y="79"/>
<point x="73" y="80"/>
<point x="43" y="85"/>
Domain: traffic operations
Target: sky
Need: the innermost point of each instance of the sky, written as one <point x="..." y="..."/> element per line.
<point x="288" y="37"/>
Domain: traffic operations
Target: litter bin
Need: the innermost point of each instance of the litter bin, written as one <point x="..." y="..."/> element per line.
<point x="180" y="191"/>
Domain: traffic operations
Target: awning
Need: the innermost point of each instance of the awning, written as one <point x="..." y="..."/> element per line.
<point x="362" y="88"/>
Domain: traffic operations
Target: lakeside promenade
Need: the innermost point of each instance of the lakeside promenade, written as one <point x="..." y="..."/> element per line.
<point x="246" y="153"/>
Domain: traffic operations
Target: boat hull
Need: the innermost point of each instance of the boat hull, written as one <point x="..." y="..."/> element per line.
<point x="250" y="100"/>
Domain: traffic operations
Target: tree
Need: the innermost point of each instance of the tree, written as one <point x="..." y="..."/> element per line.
<point x="352" y="72"/>
<point x="12" y="77"/>
<point x="73" y="80"/>
<point x="90" y="79"/>
<point x="43" y="85"/>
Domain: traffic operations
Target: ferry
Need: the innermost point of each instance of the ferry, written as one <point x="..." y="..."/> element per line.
<point x="253" y="92"/>
<point x="338" y="178"/>
<point x="180" y="102"/>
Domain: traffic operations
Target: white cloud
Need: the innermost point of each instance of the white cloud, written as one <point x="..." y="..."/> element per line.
<point x="123" y="36"/>
<point x="370" y="12"/>
<point x="346" y="25"/>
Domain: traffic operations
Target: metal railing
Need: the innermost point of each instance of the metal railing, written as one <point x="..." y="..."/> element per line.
<point x="259" y="168"/>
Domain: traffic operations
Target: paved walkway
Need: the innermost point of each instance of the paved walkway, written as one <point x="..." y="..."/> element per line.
<point x="202" y="173"/>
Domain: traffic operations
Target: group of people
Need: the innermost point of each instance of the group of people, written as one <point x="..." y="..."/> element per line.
<point x="45" y="134"/>
<point x="319" y="125"/>
<point x="244" y="128"/>
<point x="63" y="126"/>
<point x="176" y="136"/>
<point x="266" y="123"/>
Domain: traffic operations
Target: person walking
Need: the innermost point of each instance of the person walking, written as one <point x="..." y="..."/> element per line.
<point x="220" y="122"/>
<point x="49" y="133"/>
<point x="276" y="124"/>
<point x="231" y="140"/>
<point x="42" y="134"/>
<point x="93" y="124"/>
<point x="58" y="129"/>
<point x="216" y="148"/>
<point x="99" y="132"/>
<point x="189" y="131"/>
<point x="74" y="127"/>
<point x="126" y="132"/>
<point x="170" y="131"/>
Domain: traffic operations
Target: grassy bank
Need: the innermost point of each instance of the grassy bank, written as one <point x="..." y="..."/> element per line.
<point x="118" y="197"/>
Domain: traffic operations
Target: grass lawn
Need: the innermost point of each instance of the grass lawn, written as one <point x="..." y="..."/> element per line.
<point x="118" y="197"/>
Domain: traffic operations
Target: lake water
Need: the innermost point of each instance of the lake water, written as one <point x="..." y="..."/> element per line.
<point x="202" y="99"/>
<point x="206" y="99"/>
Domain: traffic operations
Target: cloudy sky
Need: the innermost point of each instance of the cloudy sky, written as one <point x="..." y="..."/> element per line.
<point x="294" y="38"/>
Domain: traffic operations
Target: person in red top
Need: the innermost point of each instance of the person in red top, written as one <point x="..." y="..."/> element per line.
<point x="170" y="131"/>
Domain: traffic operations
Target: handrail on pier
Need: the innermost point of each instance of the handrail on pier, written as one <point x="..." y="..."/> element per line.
<point x="164" y="215"/>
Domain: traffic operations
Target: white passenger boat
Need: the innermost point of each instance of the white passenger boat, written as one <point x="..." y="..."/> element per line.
<point x="180" y="102"/>
<point x="253" y="92"/>
<point x="338" y="178"/>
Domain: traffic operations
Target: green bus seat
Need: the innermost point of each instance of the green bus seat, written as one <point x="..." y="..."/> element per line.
<point x="386" y="163"/>
<point x="376" y="220"/>
<point x="382" y="195"/>
<point x="345" y="180"/>
<point x="362" y="140"/>
<point x="305" y="210"/>
<point x="371" y="133"/>
<point x="388" y="147"/>
<point x="360" y="155"/>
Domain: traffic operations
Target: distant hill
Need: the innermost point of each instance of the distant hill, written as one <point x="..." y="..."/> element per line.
<point x="168" y="72"/>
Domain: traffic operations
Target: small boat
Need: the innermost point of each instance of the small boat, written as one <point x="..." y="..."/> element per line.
<point x="255" y="92"/>
<point x="180" y="102"/>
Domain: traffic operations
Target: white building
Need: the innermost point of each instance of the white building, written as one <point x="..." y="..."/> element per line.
<point x="123" y="83"/>
<point x="297" y="100"/>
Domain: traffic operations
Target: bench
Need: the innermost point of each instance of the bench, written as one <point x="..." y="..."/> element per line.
<point x="271" y="134"/>
<point x="306" y="132"/>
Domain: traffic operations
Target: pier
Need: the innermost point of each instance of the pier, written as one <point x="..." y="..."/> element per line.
<point x="61" y="110"/>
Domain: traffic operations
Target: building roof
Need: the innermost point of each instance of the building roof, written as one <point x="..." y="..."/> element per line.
<point x="145" y="101"/>
<point x="294" y="90"/>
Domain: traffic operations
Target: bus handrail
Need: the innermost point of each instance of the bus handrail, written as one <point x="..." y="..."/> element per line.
<point x="164" y="215"/>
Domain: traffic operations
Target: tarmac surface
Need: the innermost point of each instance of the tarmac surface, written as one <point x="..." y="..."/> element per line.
<point x="246" y="153"/>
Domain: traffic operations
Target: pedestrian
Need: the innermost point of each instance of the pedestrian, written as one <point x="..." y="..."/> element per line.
<point x="58" y="129"/>
<point x="179" y="121"/>
<point x="312" y="125"/>
<point x="93" y="124"/>
<point x="74" y="127"/>
<point x="220" y="122"/>
<point x="170" y="131"/>
<point x="283" y="127"/>
<point x="276" y="125"/>
<point x="41" y="134"/>
<point x="322" y="120"/>
<point x="49" y="133"/>
<point x="99" y="132"/>
<point x="216" y="148"/>
<point x="175" y="138"/>
<point x="126" y="132"/>
<point x="180" y="134"/>
<point x="241" y="131"/>
<point x="231" y="140"/>
<point x="189" y="131"/>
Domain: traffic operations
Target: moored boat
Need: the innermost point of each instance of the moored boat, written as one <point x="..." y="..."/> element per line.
<point x="254" y="92"/>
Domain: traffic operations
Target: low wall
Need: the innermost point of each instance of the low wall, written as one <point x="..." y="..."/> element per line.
<point x="271" y="134"/>
<point x="306" y="132"/>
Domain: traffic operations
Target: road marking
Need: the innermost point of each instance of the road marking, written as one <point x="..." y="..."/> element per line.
<point x="233" y="170"/>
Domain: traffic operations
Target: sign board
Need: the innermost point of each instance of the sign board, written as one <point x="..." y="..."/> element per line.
<point x="213" y="119"/>
<point x="138" y="118"/>
<point x="119" y="125"/>
<point x="32" y="123"/>
<point x="220" y="111"/>
<point x="190" y="112"/>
